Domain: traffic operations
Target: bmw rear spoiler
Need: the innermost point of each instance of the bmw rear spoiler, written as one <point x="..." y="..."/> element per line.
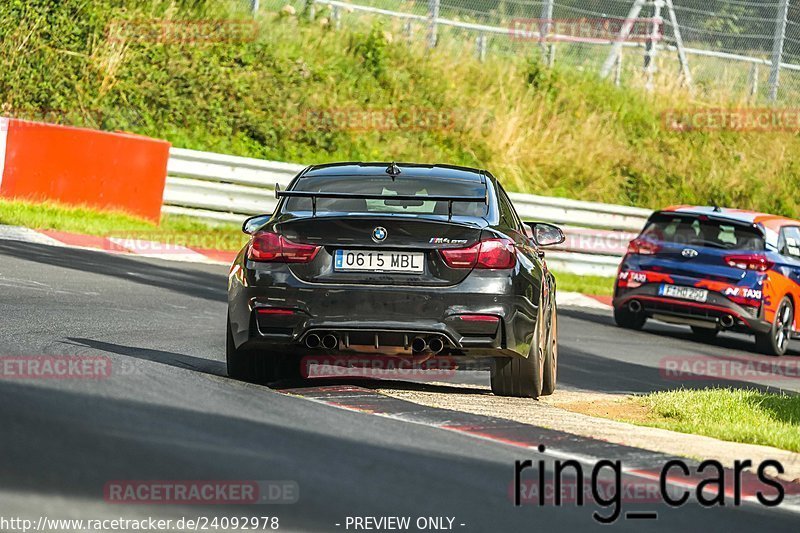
<point x="357" y="196"/>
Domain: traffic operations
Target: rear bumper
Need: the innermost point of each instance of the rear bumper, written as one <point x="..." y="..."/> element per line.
<point x="274" y="309"/>
<point x="709" y="313"/>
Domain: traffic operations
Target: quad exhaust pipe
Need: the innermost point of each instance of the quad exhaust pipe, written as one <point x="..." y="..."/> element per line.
<point x="727" y="321"/>
<point x="330" y="341"/>
<point x="635" y="306"/>
<point x="313" y="341"/>
<point x="435" y="345"/>
<point x="419" y="345"/>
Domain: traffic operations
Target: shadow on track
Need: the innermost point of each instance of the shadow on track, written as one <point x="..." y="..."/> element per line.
<point x="189" y="362"/>
<point x="185" y="278"/>
<point x="679" y="333"/>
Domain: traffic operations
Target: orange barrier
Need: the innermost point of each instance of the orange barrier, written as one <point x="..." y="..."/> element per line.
<point x="77" y="166"/>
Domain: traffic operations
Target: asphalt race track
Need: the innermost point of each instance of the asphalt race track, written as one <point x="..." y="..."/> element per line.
<point x="168" y="412"/>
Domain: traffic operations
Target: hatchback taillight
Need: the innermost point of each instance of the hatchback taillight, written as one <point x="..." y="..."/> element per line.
<point x="756" y="262"/>
<point x="488" y="254"/>
<point x="273" y="248"/>
<point x="643" y="247"/>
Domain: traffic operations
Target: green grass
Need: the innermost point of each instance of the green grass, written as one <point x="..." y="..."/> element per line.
<point x="594" y="285"/>
<point x="555" y="131"/>
<point x="83" y="220"/>
<point x="737" y="415"/>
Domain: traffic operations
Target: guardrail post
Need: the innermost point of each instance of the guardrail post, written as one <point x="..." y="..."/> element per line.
<point x="254" y="7"/>
<point x="312" y="9"/>
<point x="433" y="17"/>
<point x="618" y="70"/>
<point x="336" y="14"/>
<point x="408" y="30"/>
<point x="777" y="49"/>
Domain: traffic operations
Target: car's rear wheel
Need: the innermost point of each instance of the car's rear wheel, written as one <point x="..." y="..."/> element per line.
<point x="247" y="364"/>
<point x="522" y="378"/>
<point x="704" y="334"/>
<point x="551" y="361"/>
<point x="627" y="319"/>
<point x="776" y="340"/>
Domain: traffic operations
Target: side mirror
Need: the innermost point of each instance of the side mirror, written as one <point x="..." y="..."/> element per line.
<point x="253" y="224"/>
<point x="544" y="234"/>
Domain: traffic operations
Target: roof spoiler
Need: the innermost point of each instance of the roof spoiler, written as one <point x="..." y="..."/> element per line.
<point x="357" y="196"/>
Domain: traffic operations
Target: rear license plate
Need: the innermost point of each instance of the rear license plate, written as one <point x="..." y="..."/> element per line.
<point x="684" y="293"/>
<point x="375" y="261"/>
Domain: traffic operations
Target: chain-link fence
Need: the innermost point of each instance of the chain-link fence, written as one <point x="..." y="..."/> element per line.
<point x="737" y="48"/>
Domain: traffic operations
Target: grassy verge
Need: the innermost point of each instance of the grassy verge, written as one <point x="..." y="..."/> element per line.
<point x="300" y="91"/>
<point x="185" y="231"/>
<point x="595" y="285"/>
<point x="737" y="415"/>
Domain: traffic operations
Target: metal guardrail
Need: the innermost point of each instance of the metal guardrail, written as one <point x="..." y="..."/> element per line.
<point x="228" y="188"/>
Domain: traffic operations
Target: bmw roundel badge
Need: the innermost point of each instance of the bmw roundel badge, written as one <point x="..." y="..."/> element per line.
<point x="379" y="234"/>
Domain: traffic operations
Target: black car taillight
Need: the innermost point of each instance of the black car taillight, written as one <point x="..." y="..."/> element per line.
<point x="270" y="247"/>
<point x="488" y="254"/>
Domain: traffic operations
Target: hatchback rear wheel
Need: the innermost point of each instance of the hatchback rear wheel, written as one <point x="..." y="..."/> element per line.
<point x="776" y="340"/>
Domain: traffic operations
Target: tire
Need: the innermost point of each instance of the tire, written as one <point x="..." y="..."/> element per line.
<point x="625" y="319"/>
<point x="776" y="341"/>
<point x="551" y="361"/>
<point x="518" y="377"/>
<point x="249" y="365"/>
<point x="704" y="334"/>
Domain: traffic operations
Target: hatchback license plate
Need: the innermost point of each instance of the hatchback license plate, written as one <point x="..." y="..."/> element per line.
<point x="684" y="293"/>
<point x="375" y="261"/>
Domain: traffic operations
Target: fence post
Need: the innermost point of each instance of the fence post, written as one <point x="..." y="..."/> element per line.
<point x="254" y="7"/>
<point x="481" y="47"/>
<point x="754" y="81"/>
<point x="777" y="49"/>
<point x="624" y="33"/>
<point x="676" y="31"/>
<point x="337" y="17"/>
<point x="618" y="70"/>
<point x="433" y="16"/>
<point x="651" y="47"/>
<point x="544" y="30"/>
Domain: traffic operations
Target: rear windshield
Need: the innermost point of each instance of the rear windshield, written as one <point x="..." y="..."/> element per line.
<point x="383" y="185"/>
<point x="699" y="230"/>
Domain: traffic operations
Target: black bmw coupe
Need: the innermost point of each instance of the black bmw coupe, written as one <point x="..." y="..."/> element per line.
<point x="412" y="260"/>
